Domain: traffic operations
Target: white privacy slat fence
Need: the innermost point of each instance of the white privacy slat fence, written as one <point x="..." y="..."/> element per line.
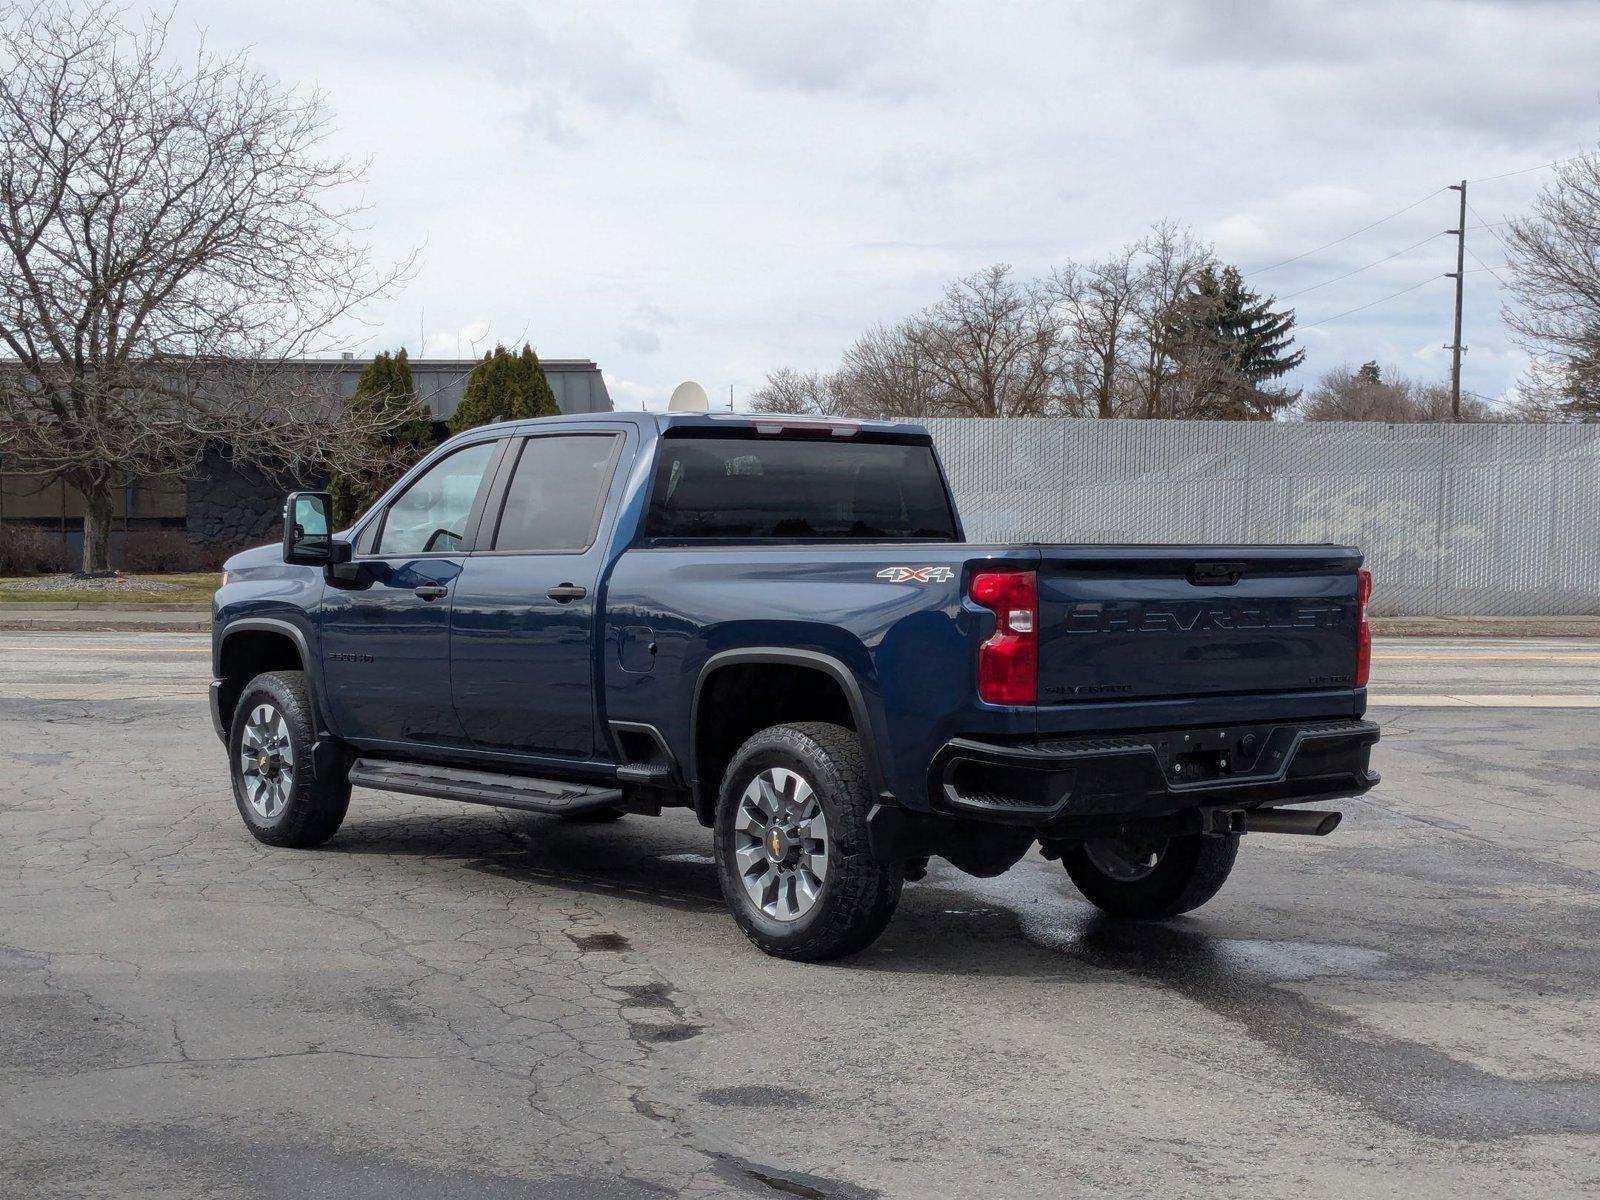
<point x="1454" y="519"/>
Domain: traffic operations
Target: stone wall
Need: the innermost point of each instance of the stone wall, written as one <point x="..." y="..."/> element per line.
<point x="232" y="505"/>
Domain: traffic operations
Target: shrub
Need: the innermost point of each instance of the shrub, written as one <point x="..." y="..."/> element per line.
<point x="505" y="387"/>
<point x="211" y="555"/>
<point x="25" y="549"/>
<point x="155" y="551"/>
<point x="386" y="398"/>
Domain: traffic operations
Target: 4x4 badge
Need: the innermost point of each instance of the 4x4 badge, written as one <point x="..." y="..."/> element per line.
<point x="917" y="574"/>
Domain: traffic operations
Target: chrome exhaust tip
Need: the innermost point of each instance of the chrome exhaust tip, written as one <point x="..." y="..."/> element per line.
<point x="1308" y="822"/>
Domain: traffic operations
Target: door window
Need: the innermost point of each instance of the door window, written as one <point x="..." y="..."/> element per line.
<point x="556" y="494"/>
<point x="430" y="516"/>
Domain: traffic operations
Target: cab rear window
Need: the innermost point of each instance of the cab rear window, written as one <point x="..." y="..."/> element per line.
<point x="793" y="488"/>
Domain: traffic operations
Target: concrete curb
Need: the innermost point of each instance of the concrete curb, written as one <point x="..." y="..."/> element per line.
<point x="93" y="627"/>
<point x="41" y="606"/>
<point x="1489" y="627"/>
<point x="101" y="618"/>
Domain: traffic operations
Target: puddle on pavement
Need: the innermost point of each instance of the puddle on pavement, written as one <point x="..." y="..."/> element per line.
<point x="756" y="1096"/>
<point x="599" y="941"/>
<point x="1409" y="1083"/>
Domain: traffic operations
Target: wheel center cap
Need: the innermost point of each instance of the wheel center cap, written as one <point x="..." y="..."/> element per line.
<point x="264" y="761"/>
<point x="777" y="845"/>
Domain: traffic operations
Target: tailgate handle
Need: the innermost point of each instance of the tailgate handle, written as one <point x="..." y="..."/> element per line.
<point x="1215" y="574"/>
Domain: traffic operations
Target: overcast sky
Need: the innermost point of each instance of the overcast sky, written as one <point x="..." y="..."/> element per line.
<point x="710" y="190"/>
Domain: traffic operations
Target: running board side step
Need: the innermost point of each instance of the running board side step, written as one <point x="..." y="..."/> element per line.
<point x="481" y="787"/>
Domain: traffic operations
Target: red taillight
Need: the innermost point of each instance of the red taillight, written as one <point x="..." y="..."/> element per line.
<point x="1363" y="630"/>
<point x="1008" y="663"/>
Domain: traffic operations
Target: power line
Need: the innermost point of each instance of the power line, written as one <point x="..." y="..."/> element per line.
<point x="1346" y="237"/>
<point x="1373" y="303"/>
<point x="1485" y="266"/>
<point x="1492" y="233"/>
<point x="1358" y="270"/>
<point x="1525" y="170"/>
<point x="1399" y="212"/>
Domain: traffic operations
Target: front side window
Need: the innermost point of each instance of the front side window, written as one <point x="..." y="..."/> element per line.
<point x="557" y="491"/>
<point x="431" y="515"/>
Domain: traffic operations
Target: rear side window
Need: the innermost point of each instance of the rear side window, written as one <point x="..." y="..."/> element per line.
<point x="556" y="493"/>
<point x="756" y="487"/>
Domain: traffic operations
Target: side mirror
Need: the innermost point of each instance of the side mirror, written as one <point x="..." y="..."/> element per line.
<point x="307" y="531"/>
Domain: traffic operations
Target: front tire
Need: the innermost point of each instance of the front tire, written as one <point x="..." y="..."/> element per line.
<point x="791" y="845"/>
<point x="283" y="800"/>
<point x="1151" y="880"/>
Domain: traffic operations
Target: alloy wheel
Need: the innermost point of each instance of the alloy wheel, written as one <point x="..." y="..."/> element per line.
<point x="266" y="760"/>
<point x="781" y="844"/>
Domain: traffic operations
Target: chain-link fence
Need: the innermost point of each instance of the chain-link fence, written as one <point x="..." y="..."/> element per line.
<point x="1468" y="519"/>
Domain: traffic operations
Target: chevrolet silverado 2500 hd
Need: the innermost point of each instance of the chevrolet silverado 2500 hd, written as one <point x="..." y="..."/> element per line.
<point x="777" y="623"/>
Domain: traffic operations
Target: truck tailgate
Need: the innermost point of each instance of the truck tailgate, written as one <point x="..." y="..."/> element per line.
<point x="1143" y="622"/>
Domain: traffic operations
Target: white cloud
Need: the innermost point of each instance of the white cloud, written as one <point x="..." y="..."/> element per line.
<point x="817" y="46"/>
<point x="638" y="340"/>
<point x="711" y="190"/>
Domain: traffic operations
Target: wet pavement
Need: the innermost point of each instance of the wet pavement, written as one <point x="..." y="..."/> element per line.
<point x="451" y="1001"/>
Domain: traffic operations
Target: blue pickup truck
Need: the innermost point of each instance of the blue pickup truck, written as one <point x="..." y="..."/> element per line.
<point x="777" y="623"/>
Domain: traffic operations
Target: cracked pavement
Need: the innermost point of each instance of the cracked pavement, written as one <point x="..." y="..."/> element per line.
<point x="450" y="1001"/>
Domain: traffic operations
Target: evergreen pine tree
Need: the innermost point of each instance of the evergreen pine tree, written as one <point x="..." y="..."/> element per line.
<point x="1243" y="344"/>
<point x="505" y="387"/>
<point x="384" y="391"/>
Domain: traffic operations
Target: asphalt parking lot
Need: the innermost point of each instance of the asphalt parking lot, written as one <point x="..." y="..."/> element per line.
<point x="450" y="1001"/>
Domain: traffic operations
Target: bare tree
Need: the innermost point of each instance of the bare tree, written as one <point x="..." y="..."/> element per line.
<point x="1368" y="394"/>
<point x="169" y="245"/>
<point x="1096" y="304"/>
<point x="1170" y="262"/>
<point x="808" y="393"/>
<point x="991" y="345"/>
<point x="884" y="376"/>
<point x="1555" y="265"/>
<point x="1124" y="329"/>
<point x="1121" y="337"/>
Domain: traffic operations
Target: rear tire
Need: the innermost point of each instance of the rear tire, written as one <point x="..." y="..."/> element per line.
<point x="283" y="801"/>
<point x="815" y="892"/>
<point x="1117" y="878"/>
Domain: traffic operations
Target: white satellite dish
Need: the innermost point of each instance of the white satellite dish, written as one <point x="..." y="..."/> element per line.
<point x="689" y="396"/>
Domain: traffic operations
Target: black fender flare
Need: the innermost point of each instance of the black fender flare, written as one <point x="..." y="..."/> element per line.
<point x="308" y="661"/>
<point x="816" y="660"/>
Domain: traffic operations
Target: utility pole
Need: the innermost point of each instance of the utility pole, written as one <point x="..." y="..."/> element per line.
<point x="1460" y="277"/>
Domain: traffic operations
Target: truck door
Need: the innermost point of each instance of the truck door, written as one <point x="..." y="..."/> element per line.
<point x="522" y="622"/>
<point x="386" y="635"/>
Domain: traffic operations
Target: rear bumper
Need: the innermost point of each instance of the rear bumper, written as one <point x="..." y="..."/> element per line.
<point x="1057" y="783"/>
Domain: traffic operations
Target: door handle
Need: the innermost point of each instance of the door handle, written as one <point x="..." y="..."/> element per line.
<point x="432" y="591"/>
<point x="567" y="593"/>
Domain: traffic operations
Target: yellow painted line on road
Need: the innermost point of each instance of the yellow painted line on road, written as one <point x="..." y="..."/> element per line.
<point x="1471" y="700"/>
<point x="1486" y="657"/>
<point x="42" y="649"/>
